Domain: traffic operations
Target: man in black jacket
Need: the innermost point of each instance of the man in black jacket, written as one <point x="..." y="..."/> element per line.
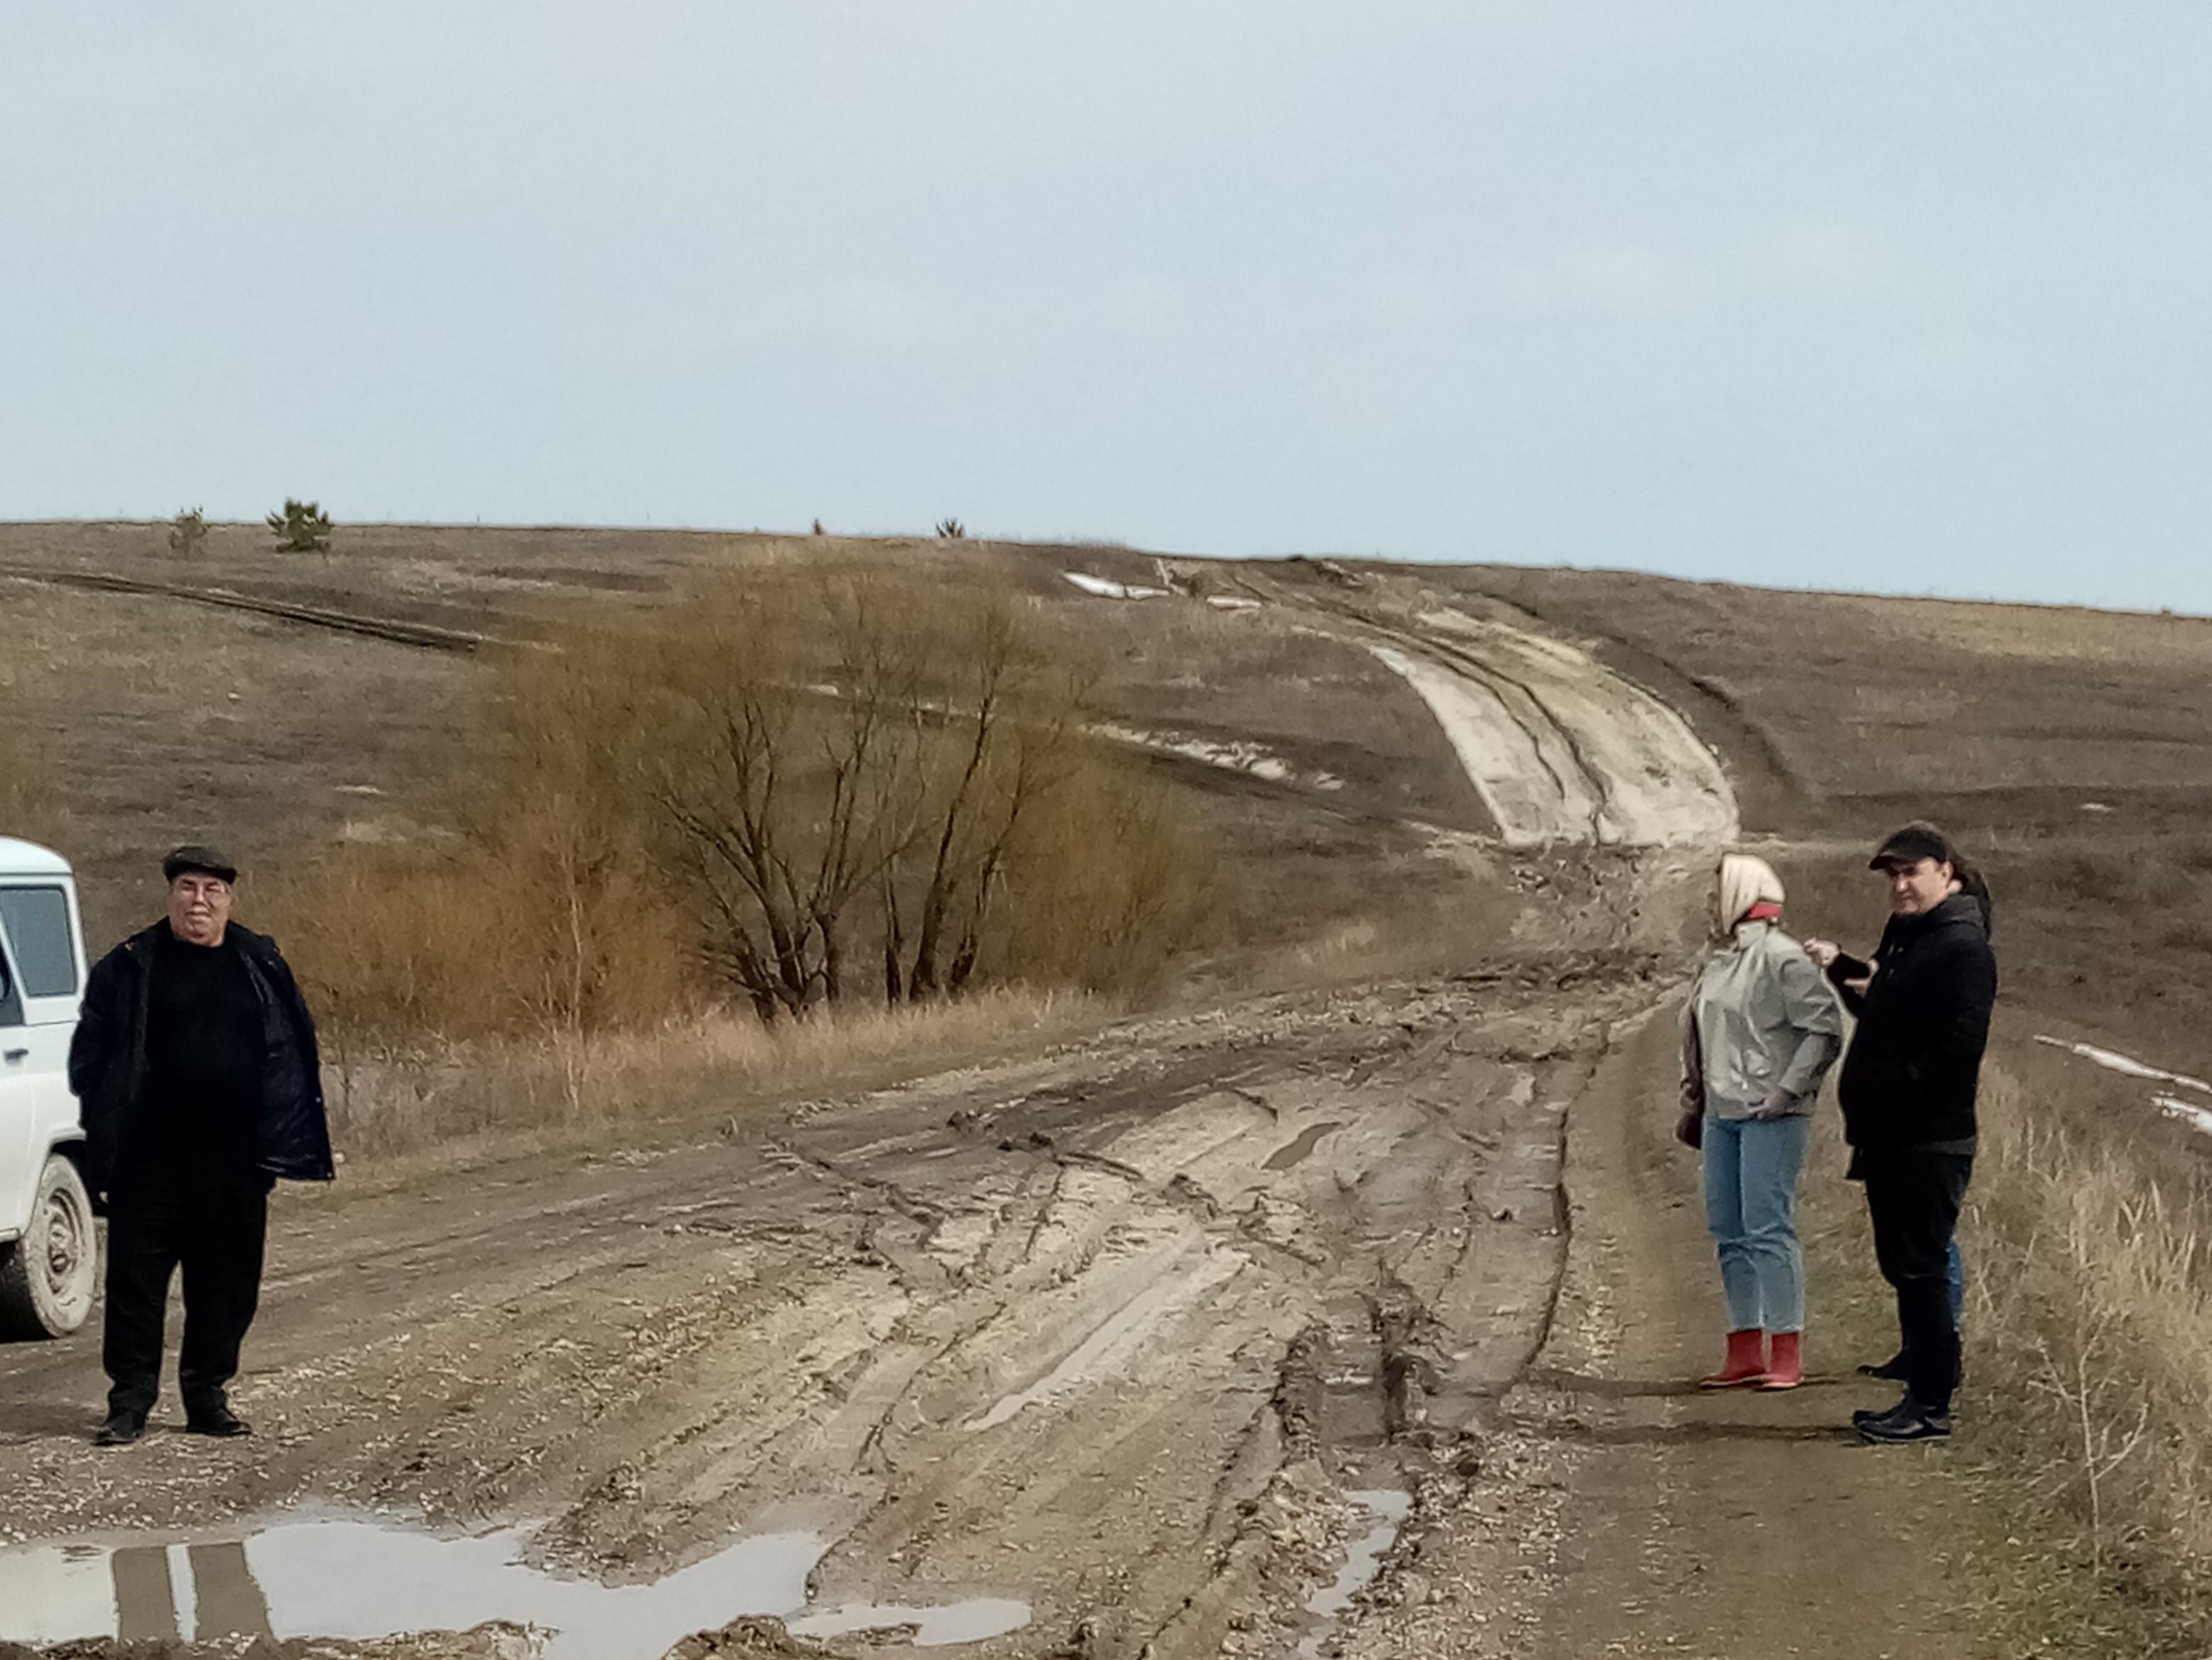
<point x="195" y="1065"/>
<point x="1908" y="1088"/>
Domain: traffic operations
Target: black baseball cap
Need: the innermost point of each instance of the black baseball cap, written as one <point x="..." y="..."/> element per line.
<point x="208" y="861"/>
<point x="1912" y="844"/>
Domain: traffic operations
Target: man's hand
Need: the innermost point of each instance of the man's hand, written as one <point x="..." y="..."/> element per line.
<point x="1777" y="1104"/>
<point x="1823" y="952"/>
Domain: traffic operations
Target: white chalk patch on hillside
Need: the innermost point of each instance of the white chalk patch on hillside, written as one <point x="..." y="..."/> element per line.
<point x="1105" y="588"/>
<point x="2127" y="1066"/>
<point x="2197" y="1117"/>
<point x="1230" y="757"/>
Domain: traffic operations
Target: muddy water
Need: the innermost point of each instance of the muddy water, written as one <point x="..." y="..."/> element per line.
<point x="1386" y="1510"/>
<point x="345" y="1578"/>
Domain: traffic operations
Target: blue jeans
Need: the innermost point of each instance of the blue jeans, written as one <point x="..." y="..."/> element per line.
<point x="1750" y="1207"/>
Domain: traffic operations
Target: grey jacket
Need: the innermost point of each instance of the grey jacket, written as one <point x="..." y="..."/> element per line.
<point x="1761" y="1025"/>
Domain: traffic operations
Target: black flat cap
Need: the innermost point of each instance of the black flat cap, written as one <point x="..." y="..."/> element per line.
<point x="208" y="861"/>
<point x="1912" y="844"/>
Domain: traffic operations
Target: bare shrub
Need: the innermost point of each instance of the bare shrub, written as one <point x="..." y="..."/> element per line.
<point x="783" y="794"/>
<point x="790" y="793"/>
<point x="1106" y="883"/>
<point x="873" y="760"/>
<point x="547" y="916"/>
<point x="188" y="533"/>
<point x="301" y="527"/>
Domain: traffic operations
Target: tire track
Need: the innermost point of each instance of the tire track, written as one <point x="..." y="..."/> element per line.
<point x="422" y="636"/>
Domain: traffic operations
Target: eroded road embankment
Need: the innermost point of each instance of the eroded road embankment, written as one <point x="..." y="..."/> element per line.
<point x="1107" y="1332"/>
<point x="1560" y="747"/>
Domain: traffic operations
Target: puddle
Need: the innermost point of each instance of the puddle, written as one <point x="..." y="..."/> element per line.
<point x="1386" y="1509"/>
<point x="1295" y="1153"/>
<point x="347" y="1578"/>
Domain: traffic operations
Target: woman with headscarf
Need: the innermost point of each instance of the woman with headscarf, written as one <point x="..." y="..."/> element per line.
<point x="1760" y="1033"/>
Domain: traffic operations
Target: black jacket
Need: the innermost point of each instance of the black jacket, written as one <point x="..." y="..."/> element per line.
<point x="107" y="1059"/>
<point x="1911" y="1076"/>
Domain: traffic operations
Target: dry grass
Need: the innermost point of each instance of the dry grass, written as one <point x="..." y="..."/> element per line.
<point x="2090" y="1312"/>
<point x="30" y="802"/>
<point x="441" y="1092"/>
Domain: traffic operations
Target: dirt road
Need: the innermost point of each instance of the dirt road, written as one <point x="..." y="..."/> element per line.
<point x="1619" y="1512"/>
<point x="1107" y="1337"/>
<point x="1106" y="1331"/>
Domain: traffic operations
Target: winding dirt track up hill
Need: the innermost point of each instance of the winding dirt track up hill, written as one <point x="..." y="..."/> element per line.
<point x="1115" y="1331"/>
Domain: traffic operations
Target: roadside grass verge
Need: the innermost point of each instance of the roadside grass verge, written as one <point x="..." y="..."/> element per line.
<point x="2079" y="1477"/>
<point x="704" y="1069"/>
<point x="2090" y="1315"/>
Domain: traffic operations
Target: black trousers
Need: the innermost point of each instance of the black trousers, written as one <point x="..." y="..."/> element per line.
<point x="1913" y="1200"/>
<point x="216" y="1237"/>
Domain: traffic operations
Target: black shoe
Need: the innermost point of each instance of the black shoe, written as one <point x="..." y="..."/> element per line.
<point x="122" y="1428"/>
<point x="217" y="1420"/>
<point x="1908" y="1420"/>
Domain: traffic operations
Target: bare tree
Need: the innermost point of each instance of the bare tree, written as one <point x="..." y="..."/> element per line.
<point x="790" y="794"/>
<point x="1008" y="732"/>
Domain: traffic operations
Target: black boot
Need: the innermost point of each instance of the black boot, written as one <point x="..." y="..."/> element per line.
<point x="1908" y="1420"/>
<point x="122" y="1428"/>
<point x="216" y="1419"/>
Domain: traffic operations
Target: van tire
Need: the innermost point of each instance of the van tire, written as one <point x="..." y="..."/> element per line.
<point x="47" y="1277"/>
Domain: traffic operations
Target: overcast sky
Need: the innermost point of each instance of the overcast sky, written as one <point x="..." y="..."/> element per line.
<point x="1906" y="297"/>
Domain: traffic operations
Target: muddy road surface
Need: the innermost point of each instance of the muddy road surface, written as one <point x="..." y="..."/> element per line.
<point x="1107" y="1333"/>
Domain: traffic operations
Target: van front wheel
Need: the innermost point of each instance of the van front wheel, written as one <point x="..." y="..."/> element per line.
<point x="48" y="1276"/>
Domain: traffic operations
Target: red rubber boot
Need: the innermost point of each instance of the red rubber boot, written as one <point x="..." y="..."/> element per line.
<point x="1785" y="1371"/>
<point x="1746" y="1364"/>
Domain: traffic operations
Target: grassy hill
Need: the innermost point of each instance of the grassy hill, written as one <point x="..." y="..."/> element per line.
<point x="2073" y="748"/>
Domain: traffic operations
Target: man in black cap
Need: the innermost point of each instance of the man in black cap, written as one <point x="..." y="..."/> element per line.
<point x="1908" y="1088"/>
<point x="194" y="1064"/>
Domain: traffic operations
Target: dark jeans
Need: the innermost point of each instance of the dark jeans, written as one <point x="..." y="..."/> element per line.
<point x="217" y="1238"/>
<point x="1913" y="1200"/>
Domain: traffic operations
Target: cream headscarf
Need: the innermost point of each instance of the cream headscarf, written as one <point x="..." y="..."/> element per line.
<point x="1744" y="882"/>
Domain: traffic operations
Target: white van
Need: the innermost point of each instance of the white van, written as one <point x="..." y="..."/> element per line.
<point x="48" y="1251"/>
